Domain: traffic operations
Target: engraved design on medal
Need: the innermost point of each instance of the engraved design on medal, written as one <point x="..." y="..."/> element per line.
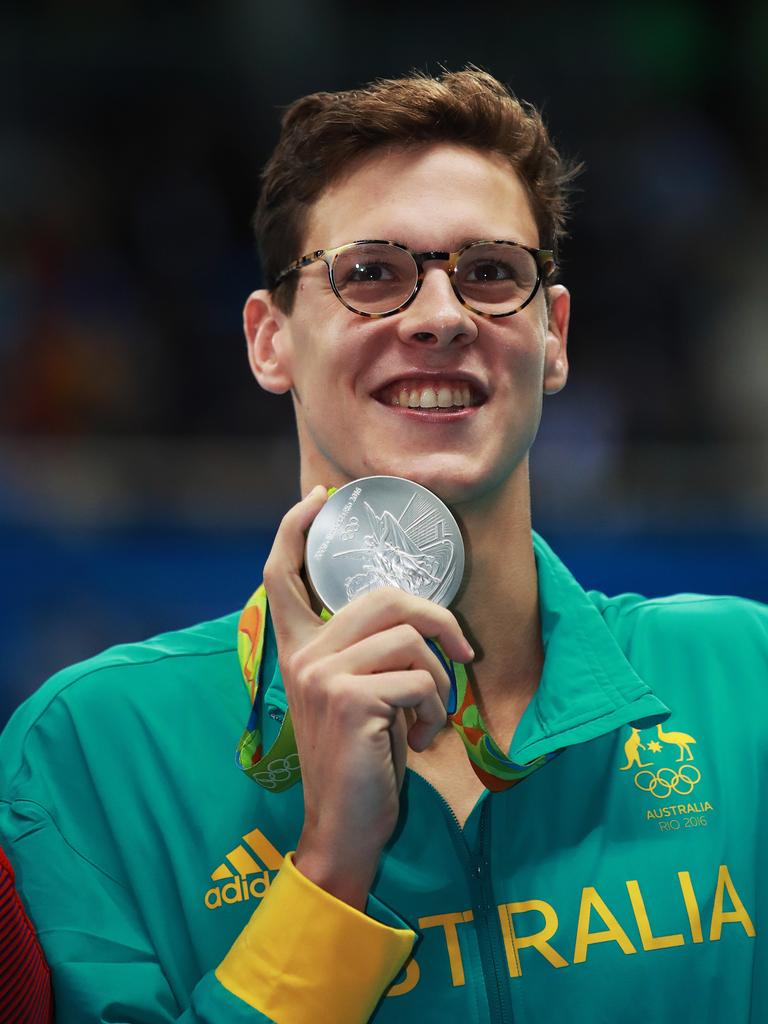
<point x="412" y="552"/>
<point x="350" y="528"/>
<point x="384" y="531"/>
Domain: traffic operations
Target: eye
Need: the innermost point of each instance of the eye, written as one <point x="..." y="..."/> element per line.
<point x="490" y="271"/>
<point x="370" y="273"/>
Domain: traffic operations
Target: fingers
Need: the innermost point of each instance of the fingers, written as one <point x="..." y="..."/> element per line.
<point x="412" y="689"/>
<point x="288" y="597"/>
<point x="400" y="648"/>
<point x="386" y="608"/>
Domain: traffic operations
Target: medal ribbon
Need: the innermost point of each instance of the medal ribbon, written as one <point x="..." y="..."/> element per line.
<point x="278" y="769"/>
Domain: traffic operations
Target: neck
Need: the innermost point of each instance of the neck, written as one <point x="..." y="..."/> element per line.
<point x="498" y="606"/>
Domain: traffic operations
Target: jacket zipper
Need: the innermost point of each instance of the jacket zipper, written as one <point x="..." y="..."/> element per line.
<point x="482" y="898"/>
<point x="483" y="909"/>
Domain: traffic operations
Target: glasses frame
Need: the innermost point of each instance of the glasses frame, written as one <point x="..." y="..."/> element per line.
<point x="546" y="266"/>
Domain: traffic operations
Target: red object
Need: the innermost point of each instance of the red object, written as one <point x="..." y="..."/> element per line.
<point x="25" y="978"/>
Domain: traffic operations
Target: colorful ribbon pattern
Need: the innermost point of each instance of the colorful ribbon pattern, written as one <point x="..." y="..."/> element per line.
<point x="279" y="768"/>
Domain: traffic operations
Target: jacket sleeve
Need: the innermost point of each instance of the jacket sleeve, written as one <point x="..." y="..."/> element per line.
<point x="331" y="964"/>
<point x="303" y="958"/>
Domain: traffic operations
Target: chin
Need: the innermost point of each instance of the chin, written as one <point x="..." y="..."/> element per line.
<point x="453" y="482"/>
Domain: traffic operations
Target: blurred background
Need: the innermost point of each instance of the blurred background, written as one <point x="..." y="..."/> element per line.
<point x="142" y="471"/>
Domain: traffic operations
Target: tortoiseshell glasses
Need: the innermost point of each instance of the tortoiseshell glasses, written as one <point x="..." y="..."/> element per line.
<point x="377" y="278"/>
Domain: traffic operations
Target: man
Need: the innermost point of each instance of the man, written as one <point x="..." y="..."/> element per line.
<point x="608" y="869"/>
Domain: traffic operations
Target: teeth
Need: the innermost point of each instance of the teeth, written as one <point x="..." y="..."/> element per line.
<point x="444" y="396"/>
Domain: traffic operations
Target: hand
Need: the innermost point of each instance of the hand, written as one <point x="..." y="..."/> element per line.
<point x="349" y="682"/>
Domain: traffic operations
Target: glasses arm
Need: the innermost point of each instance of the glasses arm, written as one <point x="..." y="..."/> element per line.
<point x="302" y="261"/>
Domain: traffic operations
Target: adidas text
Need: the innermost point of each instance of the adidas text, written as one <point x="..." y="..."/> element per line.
<point x="239" y="889"/>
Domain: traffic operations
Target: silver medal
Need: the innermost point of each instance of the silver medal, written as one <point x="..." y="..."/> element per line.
<point x="384" y="531"/>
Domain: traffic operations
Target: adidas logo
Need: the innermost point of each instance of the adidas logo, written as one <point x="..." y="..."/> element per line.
<point x="250" y="878"/>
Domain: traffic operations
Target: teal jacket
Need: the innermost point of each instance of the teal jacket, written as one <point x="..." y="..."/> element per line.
<point x="619" y="882"/>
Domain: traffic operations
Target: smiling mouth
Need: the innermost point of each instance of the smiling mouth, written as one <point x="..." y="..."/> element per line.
<point x="440" y="396"/>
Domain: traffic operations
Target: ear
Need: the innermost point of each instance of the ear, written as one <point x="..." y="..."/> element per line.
<point x="555" y="353"/>
<point x="265" y="329"/>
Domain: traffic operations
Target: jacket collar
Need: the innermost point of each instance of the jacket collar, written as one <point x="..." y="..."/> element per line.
<point x="587" y="687"/>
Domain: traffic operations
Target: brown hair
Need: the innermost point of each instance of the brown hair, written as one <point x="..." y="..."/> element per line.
<point x="324" y="133"/>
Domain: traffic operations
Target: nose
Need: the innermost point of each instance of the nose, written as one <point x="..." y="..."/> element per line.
<point x="436" y="318"/>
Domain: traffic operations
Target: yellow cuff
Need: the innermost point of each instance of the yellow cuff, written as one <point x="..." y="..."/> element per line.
<point x="306" y="957"/>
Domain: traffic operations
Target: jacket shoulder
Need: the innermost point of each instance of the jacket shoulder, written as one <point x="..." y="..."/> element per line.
<point x="131" y="681"/>
<point x="203" y="640"/>
<point x="690" y="619"/>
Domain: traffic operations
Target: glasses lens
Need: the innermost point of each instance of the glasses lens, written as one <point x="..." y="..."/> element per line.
<point x="496" y="277"/>
<point x="374" y="278"/>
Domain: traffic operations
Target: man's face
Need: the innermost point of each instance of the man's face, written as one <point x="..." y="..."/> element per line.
<point x="343" y="369"/>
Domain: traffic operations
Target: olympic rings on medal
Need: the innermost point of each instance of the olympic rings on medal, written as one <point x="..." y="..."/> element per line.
<point x="682" y="781"/>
